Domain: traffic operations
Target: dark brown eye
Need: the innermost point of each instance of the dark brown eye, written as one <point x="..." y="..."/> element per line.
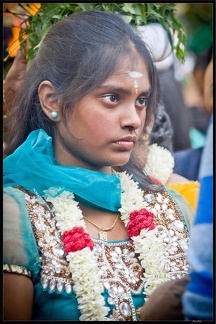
<point x="110" y="98"/>
<point x="142" y="101"/>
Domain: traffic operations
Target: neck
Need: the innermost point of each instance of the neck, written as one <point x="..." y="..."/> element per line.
<point x="103" y="219"/>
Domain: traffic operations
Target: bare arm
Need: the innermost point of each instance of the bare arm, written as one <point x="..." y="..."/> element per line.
<point x="18" y="295"/>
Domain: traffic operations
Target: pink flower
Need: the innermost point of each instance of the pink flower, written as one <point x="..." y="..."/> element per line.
<point x="140" y="219"/>
<point x="76" y="239"/>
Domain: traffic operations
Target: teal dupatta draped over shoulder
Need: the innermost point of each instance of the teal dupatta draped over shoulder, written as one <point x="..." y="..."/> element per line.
<point x="34" y="167"/>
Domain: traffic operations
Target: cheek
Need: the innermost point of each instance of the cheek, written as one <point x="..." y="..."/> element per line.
<point x="102" y="122"/>
<point x="103" y="129"/>
<point x="96" y="125"/>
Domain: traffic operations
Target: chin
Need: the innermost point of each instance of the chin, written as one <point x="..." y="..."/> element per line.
<point x="120" y="162"/>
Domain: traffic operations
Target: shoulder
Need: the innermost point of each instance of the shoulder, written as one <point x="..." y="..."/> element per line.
<point x="20" y="247"/>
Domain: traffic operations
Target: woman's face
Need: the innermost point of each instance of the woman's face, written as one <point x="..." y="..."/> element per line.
<point x="106" y="122"/>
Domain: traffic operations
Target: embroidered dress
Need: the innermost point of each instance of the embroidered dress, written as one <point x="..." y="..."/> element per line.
<point x="119" y="267"/>
<point x="33" y="240"/>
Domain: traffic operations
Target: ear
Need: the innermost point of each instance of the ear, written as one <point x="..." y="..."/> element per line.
<point x="48" y="100"/>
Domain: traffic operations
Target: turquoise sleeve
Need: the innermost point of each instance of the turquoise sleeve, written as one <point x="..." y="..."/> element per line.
<point x="19" y="244"/>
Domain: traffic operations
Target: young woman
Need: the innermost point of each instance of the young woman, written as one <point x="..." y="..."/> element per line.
<point x="81" y="240"/>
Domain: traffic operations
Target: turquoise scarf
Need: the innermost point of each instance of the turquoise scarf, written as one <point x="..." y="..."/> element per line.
<point x="34" y="167"/>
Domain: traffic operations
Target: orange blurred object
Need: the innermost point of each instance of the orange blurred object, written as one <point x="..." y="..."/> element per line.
<point x="190" y="190"/>
<point x="14" y="44"/>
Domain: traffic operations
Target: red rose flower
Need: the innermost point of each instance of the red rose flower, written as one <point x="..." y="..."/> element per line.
<point x="76" y="239"/>
<point x="140" y="219"/>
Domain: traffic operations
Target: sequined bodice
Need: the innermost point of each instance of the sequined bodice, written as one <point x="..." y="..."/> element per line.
<point x="119" y="267"/>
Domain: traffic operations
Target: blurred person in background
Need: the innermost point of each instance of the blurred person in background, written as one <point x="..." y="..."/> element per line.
<point x="197" y="300"/>
<point x="172" y="126"/>
<point x="172" y="95"/>
<point x="187" y="162"/>
<point x="197" y="19"/>
<point x="191" y="297"/>
<point x="170" y="88"/>
<point x="199" y="114"/>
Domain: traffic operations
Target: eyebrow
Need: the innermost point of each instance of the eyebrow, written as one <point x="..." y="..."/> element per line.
<point x="111" y="88"/>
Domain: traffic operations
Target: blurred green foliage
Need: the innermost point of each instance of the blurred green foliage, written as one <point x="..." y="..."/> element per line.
<point x="35" y="27"/>
<point x="197" y="19"/>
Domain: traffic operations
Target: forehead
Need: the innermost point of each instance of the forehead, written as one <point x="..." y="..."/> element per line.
<point x="133" y="70"/>
<point x="135" y="67"/>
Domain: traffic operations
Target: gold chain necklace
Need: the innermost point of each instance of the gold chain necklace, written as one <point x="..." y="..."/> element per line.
<point x="103" y="231"/>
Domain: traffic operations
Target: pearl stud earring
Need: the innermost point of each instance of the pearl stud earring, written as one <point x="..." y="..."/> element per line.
<point x="54" y="114"/>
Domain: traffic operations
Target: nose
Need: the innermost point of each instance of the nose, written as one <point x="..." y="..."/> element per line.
<point x="132" y="117"/>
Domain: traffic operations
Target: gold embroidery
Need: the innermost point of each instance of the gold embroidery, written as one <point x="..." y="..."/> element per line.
<point x="17" y="269"/>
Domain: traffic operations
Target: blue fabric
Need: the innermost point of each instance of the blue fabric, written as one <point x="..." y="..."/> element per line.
<point x="34" y="167"/>
<point x="206" y="163"/>
<point x="197" y="300"/>
<point x="205" y="286"/>
<point x="187" y="163"/>
<point x="204" y="212"/>
<point x="197" y="138"/>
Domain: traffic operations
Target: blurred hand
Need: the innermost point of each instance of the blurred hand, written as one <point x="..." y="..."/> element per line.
<point x="165" y="302"/>
<point x="14" y="77"/>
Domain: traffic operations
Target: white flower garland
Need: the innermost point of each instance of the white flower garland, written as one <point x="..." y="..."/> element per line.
<point x="159" y="163"/>
<point x="83" y="263"/>
<point x="148" y="244"/>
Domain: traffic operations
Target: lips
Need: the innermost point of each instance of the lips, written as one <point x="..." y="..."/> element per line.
<point x="128" y="139"/>
<point x="126" y="142"/>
